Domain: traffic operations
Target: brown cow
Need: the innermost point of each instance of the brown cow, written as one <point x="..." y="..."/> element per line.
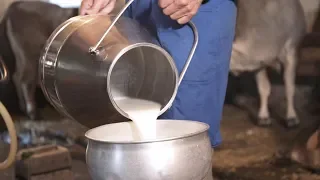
<point x="24" y="30"/>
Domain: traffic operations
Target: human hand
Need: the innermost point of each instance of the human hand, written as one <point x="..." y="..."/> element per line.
<point x="180" y="10"/>
<point x="97" y="6"/>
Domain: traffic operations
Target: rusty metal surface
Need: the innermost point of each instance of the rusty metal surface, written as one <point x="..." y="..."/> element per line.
<point x="42" y="160"/>
<point x="57" y="175"/>
<point x="78" y="168"/>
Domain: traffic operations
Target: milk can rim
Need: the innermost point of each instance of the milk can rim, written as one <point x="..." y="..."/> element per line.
<point x="125" y="50"/>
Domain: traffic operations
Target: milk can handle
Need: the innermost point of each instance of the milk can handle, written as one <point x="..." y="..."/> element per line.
<point x="94" y="49"/>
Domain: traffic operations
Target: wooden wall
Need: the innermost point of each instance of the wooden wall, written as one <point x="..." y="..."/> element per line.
<point x="309" y="62"/>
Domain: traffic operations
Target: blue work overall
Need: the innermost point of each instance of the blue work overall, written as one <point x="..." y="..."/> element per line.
<point x="201" y="94"/>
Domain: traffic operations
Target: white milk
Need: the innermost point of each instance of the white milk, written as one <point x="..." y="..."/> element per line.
<point x="144" y="114"/>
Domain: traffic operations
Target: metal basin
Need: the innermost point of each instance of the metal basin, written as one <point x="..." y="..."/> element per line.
<point x="181" y="151"/>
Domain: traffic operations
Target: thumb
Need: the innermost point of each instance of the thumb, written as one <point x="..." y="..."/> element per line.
<point x="85" y="5"/>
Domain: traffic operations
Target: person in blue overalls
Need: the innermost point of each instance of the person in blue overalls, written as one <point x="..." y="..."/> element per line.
<point x="202" y="92"/>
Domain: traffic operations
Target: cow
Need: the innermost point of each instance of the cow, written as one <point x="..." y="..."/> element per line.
<point x="4" y="4"/>
<point x="268" y="35"/>
<point x="24" y="29"/>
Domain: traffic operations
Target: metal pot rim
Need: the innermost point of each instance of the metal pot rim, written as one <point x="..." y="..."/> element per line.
<point x="203" y="130"/>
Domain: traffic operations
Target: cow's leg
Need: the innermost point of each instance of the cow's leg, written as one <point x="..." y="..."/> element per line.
<point x="264" y="89"/>
<point x="26" y="94"/>
<point x="28" y="91"/>
<point x="17" y="84"/>
<point x="24" y="77"/>
<point x="289" y="80"/>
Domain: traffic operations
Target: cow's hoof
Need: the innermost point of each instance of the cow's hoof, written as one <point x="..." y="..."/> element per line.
<point x="264" y="122"/>
<point x="292" y="122"/>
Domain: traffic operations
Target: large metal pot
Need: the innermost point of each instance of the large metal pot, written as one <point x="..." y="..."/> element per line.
<point x="90" y="63"/>
<point x="182" y="151"/>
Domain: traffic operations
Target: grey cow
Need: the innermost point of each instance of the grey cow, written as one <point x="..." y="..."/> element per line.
<point x="268" y="34"/>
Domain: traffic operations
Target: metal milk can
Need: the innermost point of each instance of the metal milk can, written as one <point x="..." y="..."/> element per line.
<point x="91" y="62"/>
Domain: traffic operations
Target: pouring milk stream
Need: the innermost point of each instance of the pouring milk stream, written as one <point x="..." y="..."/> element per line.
<point x="143" y="116"/>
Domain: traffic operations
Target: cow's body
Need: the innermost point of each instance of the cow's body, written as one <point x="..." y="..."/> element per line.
<point x="24" y="30"/>
<point x="268" y="34"/>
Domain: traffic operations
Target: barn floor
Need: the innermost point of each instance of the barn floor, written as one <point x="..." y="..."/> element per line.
<point x="248" y="152"/>
<point x="253" y="153"/>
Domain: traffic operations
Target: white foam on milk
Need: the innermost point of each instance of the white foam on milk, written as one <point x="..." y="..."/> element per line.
<point x="144" y="114"/>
